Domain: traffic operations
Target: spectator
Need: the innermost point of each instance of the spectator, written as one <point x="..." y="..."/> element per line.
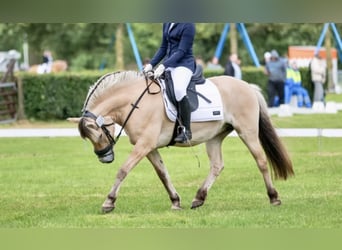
<point x="200" y="62"/>
<point x="232" y="67"/>
<point x="267" y="57"/>
<point x="214" y="64"/>
<point x="275" y="69"/>
<point x="293" y="86"/>
<point x="318" y="77"/>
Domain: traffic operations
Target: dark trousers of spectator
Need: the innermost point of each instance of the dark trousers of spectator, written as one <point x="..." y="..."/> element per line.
<point x="275" y="88"/>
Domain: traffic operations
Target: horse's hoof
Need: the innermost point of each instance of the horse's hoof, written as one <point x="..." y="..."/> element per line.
<point x="276" y="202"/>
<point x="174" y="207"/>
<point x="107" y="209"/>
<point x="108" y="205"/>
<point x="196" y="204"/>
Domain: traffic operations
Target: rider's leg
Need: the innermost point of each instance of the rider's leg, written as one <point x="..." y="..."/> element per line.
<point x="181" y="77"/>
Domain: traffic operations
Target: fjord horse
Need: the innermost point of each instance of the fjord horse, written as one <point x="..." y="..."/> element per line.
<point x="56" y="67"/>
<point x="133" y="101"/>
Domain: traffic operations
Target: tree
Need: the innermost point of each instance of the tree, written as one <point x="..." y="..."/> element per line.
<point x="233" y="39"/>
<point x="327" y="44"/>
<point x="119" y="64"/>
<point x="87" y="45"/>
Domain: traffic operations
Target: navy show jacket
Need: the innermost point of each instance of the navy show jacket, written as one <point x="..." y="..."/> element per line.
<point x="176" y="46"/>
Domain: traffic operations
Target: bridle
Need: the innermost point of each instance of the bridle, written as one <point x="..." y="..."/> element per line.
<point x="99" y="120"/>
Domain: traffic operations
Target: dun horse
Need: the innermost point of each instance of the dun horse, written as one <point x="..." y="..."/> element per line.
<point x="132" y="101"/>
<point x="57" y="66"/>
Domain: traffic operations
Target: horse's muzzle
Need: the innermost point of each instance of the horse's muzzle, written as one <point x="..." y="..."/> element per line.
<point x="107" y="158"/>
<point x="106" y="155"/>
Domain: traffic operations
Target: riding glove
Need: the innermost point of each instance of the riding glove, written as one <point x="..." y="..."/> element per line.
<point x="159" y="71"/>
<point x="147" y="68"/>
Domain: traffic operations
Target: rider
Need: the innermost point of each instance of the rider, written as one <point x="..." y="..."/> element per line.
<point x="176" y="50"/>
<point x="46" y="65"/>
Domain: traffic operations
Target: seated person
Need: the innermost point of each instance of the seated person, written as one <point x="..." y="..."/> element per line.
<point x="293" y="86"/>
<point x="214" y="64"/>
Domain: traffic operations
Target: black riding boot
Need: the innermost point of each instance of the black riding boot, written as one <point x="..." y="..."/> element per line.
<point x="184" y="114"/>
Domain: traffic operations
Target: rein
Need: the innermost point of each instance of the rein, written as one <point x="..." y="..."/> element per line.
<point x="100" y="120"/>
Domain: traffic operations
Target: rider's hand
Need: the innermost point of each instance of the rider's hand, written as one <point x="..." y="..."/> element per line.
<point x="147" y="68"/>
<point x="159" y="71"/>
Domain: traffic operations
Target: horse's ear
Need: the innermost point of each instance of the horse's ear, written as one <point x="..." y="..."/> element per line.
<point x="74" y="119"/>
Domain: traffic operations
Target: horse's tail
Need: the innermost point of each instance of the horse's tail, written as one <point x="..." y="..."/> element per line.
<point x="276" y="152"/>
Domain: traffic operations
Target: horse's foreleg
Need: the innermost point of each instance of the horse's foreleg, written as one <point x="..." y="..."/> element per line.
<point x="137" y="154"/>
<point x="216" y="166"/>
<point x="163" y="174"/>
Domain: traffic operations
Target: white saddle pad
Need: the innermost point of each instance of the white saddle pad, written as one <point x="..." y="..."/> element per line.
<point x="206" y="111"/>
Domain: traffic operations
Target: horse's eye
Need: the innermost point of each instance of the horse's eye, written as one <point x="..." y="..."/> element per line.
<point x="92" y="126"/>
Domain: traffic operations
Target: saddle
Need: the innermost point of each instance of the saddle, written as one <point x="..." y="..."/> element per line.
<point x="197" y="78"/>
<point x="203" y="109"/>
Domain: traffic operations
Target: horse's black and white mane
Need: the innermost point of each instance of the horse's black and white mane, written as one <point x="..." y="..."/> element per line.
<point x="107" y="81"/>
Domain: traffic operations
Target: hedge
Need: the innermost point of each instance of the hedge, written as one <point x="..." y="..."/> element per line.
<point x="58" y="96"/>
<point x="55" y="96"/>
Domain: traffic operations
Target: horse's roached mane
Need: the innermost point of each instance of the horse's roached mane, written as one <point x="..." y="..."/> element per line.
<point x="107" y="81"/>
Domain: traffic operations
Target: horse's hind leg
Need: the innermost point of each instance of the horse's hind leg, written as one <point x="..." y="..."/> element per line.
<point x="252" y="142"/>
<point x="163" y="174"/>
<point x="216" y="166"/>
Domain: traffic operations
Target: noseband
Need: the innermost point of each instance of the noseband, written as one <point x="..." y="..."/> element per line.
<point x="99" y="120"/>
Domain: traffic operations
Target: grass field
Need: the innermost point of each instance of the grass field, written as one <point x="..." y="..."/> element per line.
<point x="58" y="183"/>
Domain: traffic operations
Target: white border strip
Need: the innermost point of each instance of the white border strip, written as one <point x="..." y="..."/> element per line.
<point x="69" y="132"/>
<point x="313" y="132"/>
<point x="36" y="132"/>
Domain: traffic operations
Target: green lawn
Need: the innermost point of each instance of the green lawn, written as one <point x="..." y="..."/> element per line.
<point x="58" y="183"/>
<point x="318" y="120"/>
<point x="333" y="97"/>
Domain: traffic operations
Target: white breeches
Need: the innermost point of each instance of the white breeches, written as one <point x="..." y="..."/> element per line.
<point x="181" y="78"/>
